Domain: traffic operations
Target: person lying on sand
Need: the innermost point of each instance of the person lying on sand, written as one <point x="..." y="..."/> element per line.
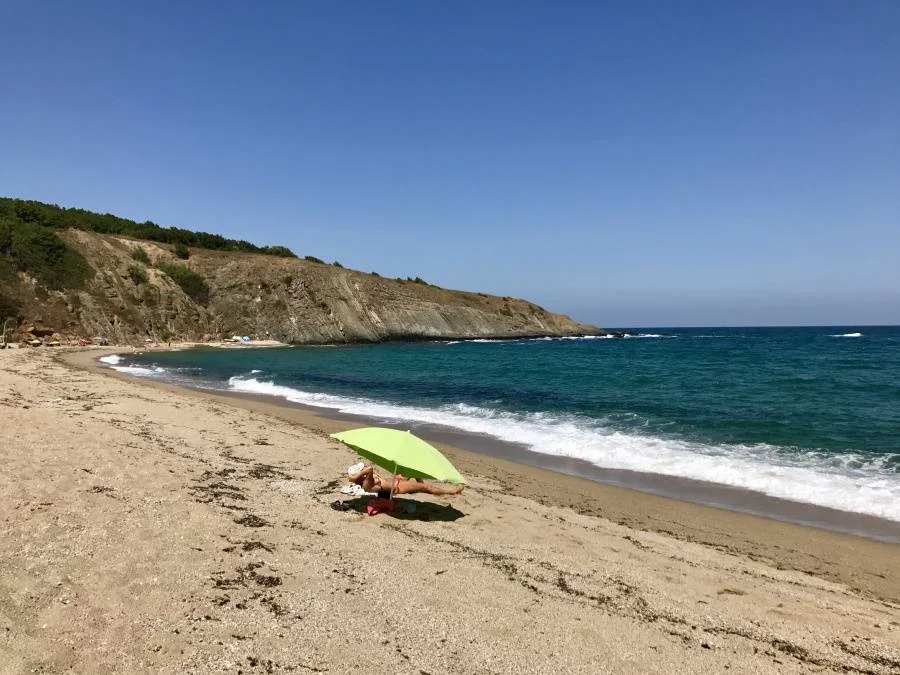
<point x="372" y="481"/>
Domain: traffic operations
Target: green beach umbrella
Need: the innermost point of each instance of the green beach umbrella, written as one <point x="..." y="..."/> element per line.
<point x="400" y="452"/>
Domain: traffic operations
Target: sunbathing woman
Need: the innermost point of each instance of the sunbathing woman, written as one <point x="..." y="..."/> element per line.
<point x="372" y="481"/>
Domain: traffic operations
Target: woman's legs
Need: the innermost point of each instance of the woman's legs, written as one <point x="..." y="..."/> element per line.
<point x="408" y="487"/>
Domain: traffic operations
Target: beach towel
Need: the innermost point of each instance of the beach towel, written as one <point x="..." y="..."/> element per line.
<point x="376" y="506"/>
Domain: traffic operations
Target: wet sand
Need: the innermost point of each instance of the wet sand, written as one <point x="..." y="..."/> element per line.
<point x="152" y="529"/>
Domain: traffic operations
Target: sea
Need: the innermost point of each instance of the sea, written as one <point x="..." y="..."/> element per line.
<point x="806" y="416"/>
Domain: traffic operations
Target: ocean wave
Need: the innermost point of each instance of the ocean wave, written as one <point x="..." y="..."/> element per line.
<point x="569" y="337"/>
<point x="847" y="335"/>
<point x="850" y="481"/>
<point x="523" y="340"/>
<point x="648" y="335"/>
<point x="139" y="371"/>
<point x="114" y="361"/>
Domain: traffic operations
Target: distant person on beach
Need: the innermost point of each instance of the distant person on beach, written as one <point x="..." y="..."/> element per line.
<point x="371" y="481"/>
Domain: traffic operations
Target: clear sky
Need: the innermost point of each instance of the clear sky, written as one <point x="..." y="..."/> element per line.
<point x="630" y="163"/>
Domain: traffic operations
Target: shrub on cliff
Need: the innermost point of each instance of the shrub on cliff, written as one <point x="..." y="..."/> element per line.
<point x="193" y="284"/>
<point x="280" y="251"/>
<point x="9" y="307"/>
<point x="137" y="274"/>
<point x="140" y="255"/>
<point x="31" y="248"/>
<point x="181" y="251"/>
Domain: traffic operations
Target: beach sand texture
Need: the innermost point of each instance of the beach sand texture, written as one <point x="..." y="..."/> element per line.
<point x="149" y="529"/>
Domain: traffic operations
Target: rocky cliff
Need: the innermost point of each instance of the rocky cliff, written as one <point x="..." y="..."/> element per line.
<point x="140" y="289"/>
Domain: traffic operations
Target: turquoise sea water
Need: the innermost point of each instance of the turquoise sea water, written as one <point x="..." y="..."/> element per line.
<point x="806" y="414"/>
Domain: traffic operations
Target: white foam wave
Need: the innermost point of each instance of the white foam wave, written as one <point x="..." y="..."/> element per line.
<point x="648" y="335"/>
<point x="848" y="335"/>
<point x="111" y="360"/>
<point x="849" y="482"/>
<point x="546" y="338"/>
<point x="140" y="372"/>
<point x="255" y="371"/>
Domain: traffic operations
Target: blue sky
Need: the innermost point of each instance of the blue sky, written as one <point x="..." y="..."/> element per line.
<point x="629" y="163"/>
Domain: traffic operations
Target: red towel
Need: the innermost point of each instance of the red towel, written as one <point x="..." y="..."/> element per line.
<point x="376" y="506"/>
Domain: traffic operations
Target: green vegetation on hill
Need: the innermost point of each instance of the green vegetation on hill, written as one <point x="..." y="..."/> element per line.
<point x="27" y="247"/>
<point x="52" y="216"/>
<point x="8" y="308"/>
<point x="140" y="255"/>
<point x="193" y="284"/>
<point x="138" y="275"/>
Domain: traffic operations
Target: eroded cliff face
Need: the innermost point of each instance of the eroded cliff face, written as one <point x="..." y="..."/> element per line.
<point x="296" y="301"/>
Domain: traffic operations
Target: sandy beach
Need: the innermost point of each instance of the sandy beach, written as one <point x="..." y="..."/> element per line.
<point x="153" y="529"/>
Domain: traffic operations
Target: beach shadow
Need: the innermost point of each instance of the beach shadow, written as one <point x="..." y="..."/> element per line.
<point x="405" y="509"/>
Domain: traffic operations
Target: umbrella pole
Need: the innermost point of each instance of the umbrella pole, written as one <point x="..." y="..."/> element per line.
<point x="393" y="482"/>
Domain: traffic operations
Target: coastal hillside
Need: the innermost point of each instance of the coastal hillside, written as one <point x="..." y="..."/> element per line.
<point x="71" y="273"/>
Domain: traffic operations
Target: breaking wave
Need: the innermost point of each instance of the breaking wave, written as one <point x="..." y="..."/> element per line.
<point x="139" y="371"/>
<point x="114" y="361"/>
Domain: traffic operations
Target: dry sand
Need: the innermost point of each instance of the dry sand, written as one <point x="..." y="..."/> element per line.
<point x="149" y="529"/>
